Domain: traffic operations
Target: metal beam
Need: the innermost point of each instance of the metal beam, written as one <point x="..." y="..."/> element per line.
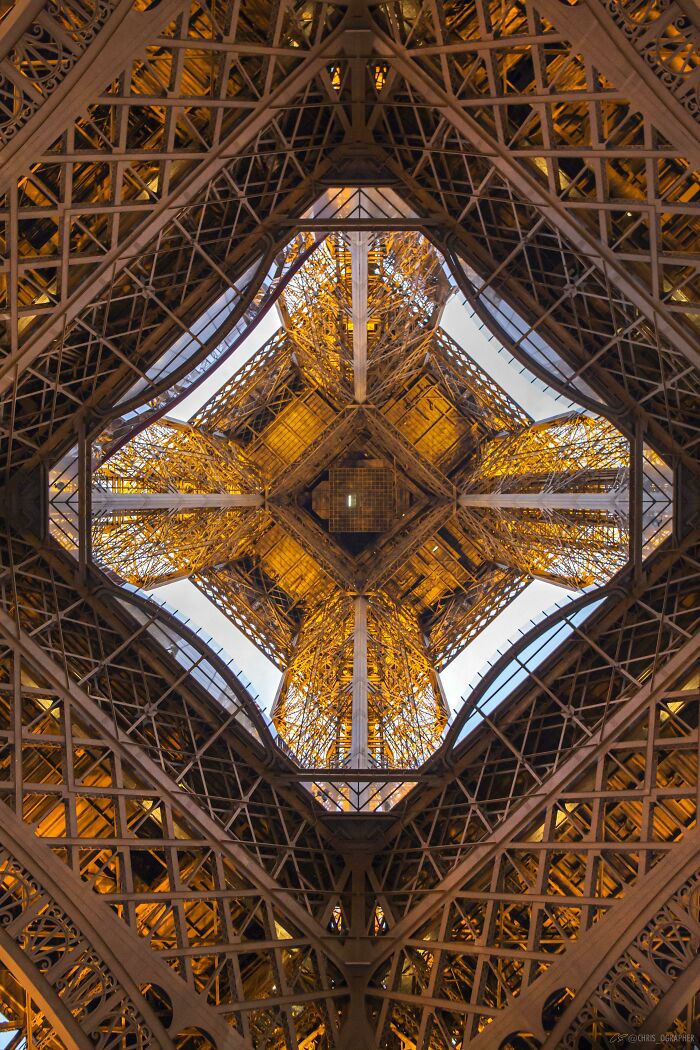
<point x="368" y="225"/>
<point x="153" y="774"/>
<point x="359" y="749"/>
<point x="509" y="829"/>
<point x="589" y="958"/>
<point x="610" y="501"/>
<point x="123" y="37"/>
<point x="318" y="543"/>
<point x="161" y="212"/>
<point x="359" y="245"/>
<point x="591" y="30"/>
<point x="404" y="544"/>
<point x="127" y="956"/>
<point x="420" y="471"/>
<point x="175" y="501"/>
<point x="39" y="991"/>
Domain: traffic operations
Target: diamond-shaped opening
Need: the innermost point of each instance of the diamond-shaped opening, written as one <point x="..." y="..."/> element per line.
<point x="367" y="496"/>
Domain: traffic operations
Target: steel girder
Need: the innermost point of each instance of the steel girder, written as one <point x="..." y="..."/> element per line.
<point x="494" y="921"/>
<point x="91" y="976"/>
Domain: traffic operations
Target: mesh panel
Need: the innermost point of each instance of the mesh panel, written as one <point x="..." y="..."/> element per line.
<point x="361" y="499"/>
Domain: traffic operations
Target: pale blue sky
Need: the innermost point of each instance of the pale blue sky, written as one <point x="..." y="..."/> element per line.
<point x="540" y="403"/>
<point x="486" y="350"/>
<point x="265" y="330"/>
<point x="7" y="1037"/>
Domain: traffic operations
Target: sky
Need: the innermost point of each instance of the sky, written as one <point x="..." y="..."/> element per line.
<point x="517" y="617"/>
<point x="263" y="675"/>
<point x="7" y="1037"/>
<point x="486" y="350"/>
<point x="260" y="335"/>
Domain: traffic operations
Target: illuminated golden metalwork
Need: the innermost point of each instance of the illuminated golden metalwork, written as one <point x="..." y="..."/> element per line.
<point x="150" y="547"/>
<point x="540" y="887"/>
<point x="383" y="542"/>
<point x="316" y="710"/>
<point x="361" y="311"/>
<point x="172" y="502"/>
<point x="576" y="452"/>
<point x="317" y="308"/>
<point x="23" y="1024"/>
<point x="459" y="616"/>
<point x="552" y="500"/>
<point x="313" y="712"/>
<point x="175" y="457"/>
<point x="406" y="289"/>
<point x="268" y="409"/>
<point x="577" y="548"/>
<point x="407" y="713"/>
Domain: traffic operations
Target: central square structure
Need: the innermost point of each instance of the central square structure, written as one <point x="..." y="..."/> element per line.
<point x="362" y="499"/>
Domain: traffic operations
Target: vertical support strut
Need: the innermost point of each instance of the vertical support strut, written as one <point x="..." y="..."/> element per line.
<point x="359" y="752"/>
<point x="84" y="501"/>
<point x="360" y="245"/>
<point x="637" y="501"/>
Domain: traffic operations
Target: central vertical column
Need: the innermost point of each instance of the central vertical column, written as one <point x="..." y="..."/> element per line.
<point x="359" y="243"/>
<point x="359" y="746"/>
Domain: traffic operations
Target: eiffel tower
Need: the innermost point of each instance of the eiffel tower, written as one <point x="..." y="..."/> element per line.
<point x="372" y="865"/>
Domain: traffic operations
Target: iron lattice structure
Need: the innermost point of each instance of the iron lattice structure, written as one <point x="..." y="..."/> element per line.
<point x="575" y="453"/>
<point x="173" y="457"/>
<point x="372" y="422"/>
<point x="165" y="878"/>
